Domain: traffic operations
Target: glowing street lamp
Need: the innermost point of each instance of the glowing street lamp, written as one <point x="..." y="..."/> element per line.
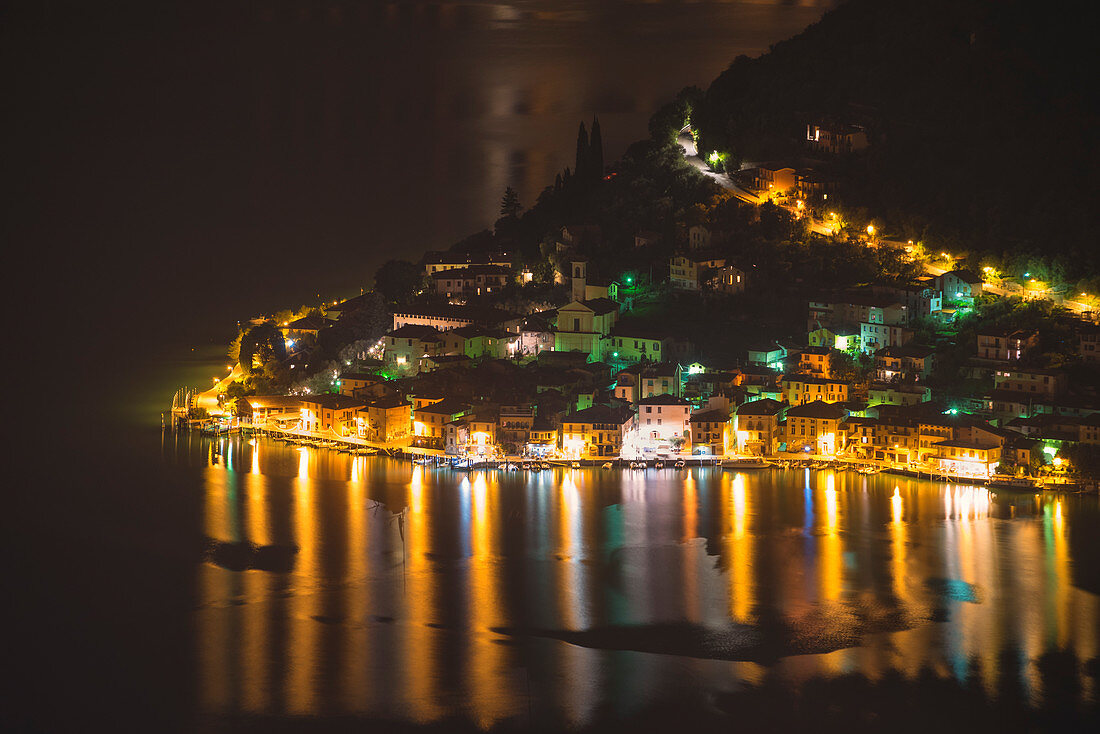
<point x="871" y="229"/>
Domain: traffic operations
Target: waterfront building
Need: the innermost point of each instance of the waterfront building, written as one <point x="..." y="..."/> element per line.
<point x="599" y="431"/>
<point x="542" y="439"/>
<point x="472" y="435"/>
<point x="711" y="431"/>
<point x="429" y="421"/>
<point x="756" y="426"/>
<point x="330" y="414"/>
<point x="968" y="458"/>
<point x="285" y="410"/>
<point x="856" y="437"/>
<point x="385" y="420"/>
<point x="664" y="419"/>
<point x="813" y="427"/>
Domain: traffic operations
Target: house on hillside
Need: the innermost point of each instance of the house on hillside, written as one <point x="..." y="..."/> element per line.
<point x="835" y="139"/>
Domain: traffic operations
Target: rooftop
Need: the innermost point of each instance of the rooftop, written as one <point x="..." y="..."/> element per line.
<point x="766" y="406"/>
<point x="817" y="409"/>
<point x="416" y="331"/>
<point x="600" y="414"/>
<point x="663" y="399"/>
<point x="447" y="406"/>
<point x="332" y="401"/>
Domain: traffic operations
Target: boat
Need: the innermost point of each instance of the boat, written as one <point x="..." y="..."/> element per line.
<point x="753" y="463"/>
<point x="637" y="465"/>
<point x="608" y="465"/>
<point x="680" y="464"/>
<point x="545" y="465"/>
<point x="574" y="465"/>
<point x="658" y="464"/>
<point x="869" y="470"/>
<point x="1000" y="481"/>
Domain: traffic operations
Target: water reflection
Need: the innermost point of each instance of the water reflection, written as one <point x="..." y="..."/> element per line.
<point x="422" y="594"/>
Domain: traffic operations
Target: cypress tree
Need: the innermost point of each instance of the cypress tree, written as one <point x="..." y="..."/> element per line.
<point x="596" y="150"/>
<point x="509" y="203"/>
<point x="580" y="170"/>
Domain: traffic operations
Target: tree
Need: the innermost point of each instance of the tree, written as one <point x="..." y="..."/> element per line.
<point x="580" y="170"/>
<point x="595" y="152"/>
<point x="263" y="343"/>
<point x="509" y="204"/>
<point x="398" y="281"/>
<point x="370" y="321"/>
<point x="843" y="367"/>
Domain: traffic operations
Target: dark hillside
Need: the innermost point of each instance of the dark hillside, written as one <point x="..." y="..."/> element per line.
<point x="982" y="116"/>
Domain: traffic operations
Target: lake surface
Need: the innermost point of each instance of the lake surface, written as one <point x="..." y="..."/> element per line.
<point x="578" y="597"/>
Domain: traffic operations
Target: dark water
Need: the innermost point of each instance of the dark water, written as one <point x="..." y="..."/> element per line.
<point x="256" y="155"/>
<point x="570" y="597"/>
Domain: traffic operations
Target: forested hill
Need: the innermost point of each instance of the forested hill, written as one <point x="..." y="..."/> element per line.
<point x="982" y="116"/>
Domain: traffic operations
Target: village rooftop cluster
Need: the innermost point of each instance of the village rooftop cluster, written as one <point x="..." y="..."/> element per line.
<point x="587" y="374"/>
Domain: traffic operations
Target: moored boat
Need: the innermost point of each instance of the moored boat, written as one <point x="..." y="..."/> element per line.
<point x="751" y="463"/>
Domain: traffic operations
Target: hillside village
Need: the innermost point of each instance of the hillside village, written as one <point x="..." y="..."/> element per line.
<point x="689" y="315"/>
<point x="460" y="375"/>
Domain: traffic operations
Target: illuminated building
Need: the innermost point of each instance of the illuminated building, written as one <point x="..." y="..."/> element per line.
<point x="599" y="431"/>
<point x="429" y="421"/>
<point x="691" y="272"/>
<point x="711" y="432"/>
<point x="967" y="458"/>
<point x="664" y="418"/>
<point x="386" y="420"/>
<point x="329" y="413"/>
<point x="756" y="426"/>
<point x="800" y="389"/>
<point x="814" y="361"/>
<point x="406" y="345"/>
<point x="813" y="428"/>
